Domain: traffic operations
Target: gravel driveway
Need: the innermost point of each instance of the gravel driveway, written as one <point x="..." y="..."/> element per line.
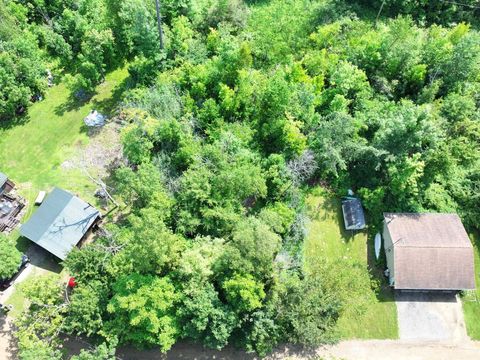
<point x="433" y="316"/>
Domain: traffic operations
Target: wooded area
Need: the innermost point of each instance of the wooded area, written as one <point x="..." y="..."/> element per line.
<point x="227" y="126"/>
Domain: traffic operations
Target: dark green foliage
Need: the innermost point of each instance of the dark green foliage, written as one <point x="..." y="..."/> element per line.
<point x="307" y="310"/>
<point x="442" y="12"/>
<point x="204" y="316"/>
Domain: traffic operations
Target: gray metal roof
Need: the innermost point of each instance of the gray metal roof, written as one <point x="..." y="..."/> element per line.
<point x="60" y="222"/>
<point x="353" y="215"/>
<point x="3" y="179"/>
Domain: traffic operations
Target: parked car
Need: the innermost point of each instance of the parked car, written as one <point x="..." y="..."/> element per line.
<point x="6" y="283"/>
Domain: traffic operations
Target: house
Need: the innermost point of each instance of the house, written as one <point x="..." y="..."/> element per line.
<point x="353" y="215"/>
<point x="5" y="184"/>
<point x="60" y="223"/>
<point x="428" y="252"/>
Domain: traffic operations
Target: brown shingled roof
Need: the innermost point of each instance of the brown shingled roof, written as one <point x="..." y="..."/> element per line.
<point x="431" y="251"/>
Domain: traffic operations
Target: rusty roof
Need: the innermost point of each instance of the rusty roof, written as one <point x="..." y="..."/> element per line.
<point x="431" y="251"/>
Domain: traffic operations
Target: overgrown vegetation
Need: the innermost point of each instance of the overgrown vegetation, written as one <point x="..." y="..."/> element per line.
<point x="225" y="127"/>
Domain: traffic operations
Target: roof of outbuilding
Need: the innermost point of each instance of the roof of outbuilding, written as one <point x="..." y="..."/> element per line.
<point x="3" y="179"/>
<point x="353" y="215"/>
<point x="431" y="251"/>
<point x="426" y="230"/>
<point x="60" y="222"/>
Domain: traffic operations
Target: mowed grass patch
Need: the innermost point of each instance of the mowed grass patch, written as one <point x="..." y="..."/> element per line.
<point x="370" y="311"/>
<point x="471" y="299"/>
<point x="32" y="152"/>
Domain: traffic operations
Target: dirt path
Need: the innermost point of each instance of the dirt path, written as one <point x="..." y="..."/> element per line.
<point x="345" y="350"/>
<point x="402" y="350"/>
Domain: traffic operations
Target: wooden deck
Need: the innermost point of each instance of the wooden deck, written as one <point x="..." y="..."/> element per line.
<point x="10" y="221"/>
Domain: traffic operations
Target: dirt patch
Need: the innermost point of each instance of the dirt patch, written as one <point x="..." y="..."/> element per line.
<point x="103" y="150"/>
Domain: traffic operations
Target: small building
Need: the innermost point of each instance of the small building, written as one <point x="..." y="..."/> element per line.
<point x="428" y="252"/>
<point x="5" y="184"/>
<point x="353" y="215"/>
<point x="60" y="223"/>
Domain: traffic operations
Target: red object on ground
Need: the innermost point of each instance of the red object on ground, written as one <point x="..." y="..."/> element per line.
<point x="71" y="282"/>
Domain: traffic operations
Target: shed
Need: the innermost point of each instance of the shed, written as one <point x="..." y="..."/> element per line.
<point x="353" y="215"/>
<point x="60" y="223"/>
<point x="428" y="252"/>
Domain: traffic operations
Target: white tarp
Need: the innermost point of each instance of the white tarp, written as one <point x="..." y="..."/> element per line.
<point x="94" y="119"/>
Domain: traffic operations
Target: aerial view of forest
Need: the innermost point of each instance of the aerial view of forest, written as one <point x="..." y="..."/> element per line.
<point x="235" y="123"/>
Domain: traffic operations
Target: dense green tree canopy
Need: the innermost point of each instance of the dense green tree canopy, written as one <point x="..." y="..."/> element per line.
<point x="224" y="131"/>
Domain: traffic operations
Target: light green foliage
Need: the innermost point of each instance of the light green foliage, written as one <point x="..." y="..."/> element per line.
<point x="40" y="338"/>
<point x="251" y="251"/>
<point x="10" y="256"/>
<point x="136" y="27"/>
<point x="197" y="261"/>
<point x="213" y="189"/>
<point x="149" y="246"/>
<point x="143" y="311"/>
<point x="144" y="188"/>
<point x="39" y="350"/>
<point x="243" y="293"/>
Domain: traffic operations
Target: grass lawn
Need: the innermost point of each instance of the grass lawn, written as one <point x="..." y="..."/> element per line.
<point x="33" y="149"/>
<point x="370" y="311"/>
<point x="471" y="299"/>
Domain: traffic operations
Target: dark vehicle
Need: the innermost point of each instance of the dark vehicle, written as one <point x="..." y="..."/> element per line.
<point x="5" y="283"/>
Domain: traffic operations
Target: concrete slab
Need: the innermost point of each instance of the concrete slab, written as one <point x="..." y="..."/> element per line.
<point x="430" y="316"/>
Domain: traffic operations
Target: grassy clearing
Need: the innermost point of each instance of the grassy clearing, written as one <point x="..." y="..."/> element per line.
<point x="471" y="299"/>
<point x="370" y="311"/>
<point x="33" y="149"/>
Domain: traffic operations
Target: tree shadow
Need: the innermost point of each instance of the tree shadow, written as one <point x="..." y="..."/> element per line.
<point x="189" y="350"/>
<point x="18" y="120"/>
<point x="109" y="105"/>
<point x="42" y="259"/>
<point x="73" y="103"/>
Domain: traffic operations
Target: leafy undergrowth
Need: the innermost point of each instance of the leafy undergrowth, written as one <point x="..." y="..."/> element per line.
<point x="471" y="299"/>
<point x="369" y="309"/>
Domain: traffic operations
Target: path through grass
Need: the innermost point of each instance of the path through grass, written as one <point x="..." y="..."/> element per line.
<point x="370" y="311"/>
